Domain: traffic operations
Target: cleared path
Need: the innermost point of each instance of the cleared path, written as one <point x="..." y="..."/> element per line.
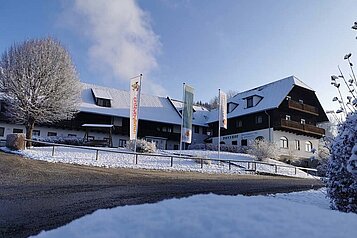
<point x="37" y="195"/>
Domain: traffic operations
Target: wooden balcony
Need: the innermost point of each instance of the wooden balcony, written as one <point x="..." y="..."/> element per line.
<point x="297" y="127"/>
<point x="303" y="107"/>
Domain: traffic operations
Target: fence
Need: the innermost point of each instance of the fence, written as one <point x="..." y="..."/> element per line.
<point x="252" y="166"/>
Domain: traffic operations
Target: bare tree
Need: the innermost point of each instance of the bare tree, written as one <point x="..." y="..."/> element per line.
<point x="213" y="104"/>
<point x="39" y="83"/>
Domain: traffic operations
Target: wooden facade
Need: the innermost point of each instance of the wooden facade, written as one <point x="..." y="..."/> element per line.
<point x="299" y="113"/>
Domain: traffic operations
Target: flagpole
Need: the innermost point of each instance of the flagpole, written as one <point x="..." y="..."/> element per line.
<point x="183" y="106"/>
<point x="137" y="123"/>
<point x="219" y="123"/>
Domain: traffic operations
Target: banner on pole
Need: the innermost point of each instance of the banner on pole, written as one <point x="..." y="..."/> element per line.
<point x="186" y="132"/>
<point x="223" y="110"/>
<point x="135" y="88"/>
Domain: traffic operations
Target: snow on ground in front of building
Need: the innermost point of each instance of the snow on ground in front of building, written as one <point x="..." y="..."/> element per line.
<point x="295" y="215"/>
<point x="110" y="159"/>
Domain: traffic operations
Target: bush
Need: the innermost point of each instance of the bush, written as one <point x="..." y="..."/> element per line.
<point x="341" y="183"/>
<point x="59" y="140"/>
<point x="214" y="147"/>
<point x="142" y="146"/>
<point x="263" y="149"/>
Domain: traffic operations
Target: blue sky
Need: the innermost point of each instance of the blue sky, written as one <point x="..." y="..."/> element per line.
<point x="227" y="44"/>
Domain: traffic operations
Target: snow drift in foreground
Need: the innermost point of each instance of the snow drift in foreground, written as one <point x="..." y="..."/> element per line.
<point x="303" y="214"/>
<point x="119" y="160"/>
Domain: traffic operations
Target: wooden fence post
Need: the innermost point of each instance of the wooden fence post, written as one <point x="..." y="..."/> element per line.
<point x="96" y="155"/>
<point x="172" y="161"/>
<point x="53" y="151"/>
<point x="136" y="158"/>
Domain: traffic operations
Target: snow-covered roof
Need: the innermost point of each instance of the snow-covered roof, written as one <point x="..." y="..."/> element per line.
<point x="101" y="93"/>
<point x="98" y="125"/>
<point x="270" y="96"/>
<point x="200" y="114"/>
<point x="152" y="108"/>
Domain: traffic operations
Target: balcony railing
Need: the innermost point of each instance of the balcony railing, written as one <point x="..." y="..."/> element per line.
<point x="304" y="128"/>
<point x="303" y="107"/>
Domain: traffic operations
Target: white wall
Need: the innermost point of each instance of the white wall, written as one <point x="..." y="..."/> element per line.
<point x="198" y="138"/>
<point x="291" y="144"/>
<point x="275" y="137"/>
<point x="61" y="132"/>
<point x="250" y="136"/>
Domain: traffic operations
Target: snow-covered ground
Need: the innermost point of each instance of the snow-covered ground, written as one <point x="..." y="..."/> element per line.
<point x="121" y="160"/>
<point x="302" y="214"/>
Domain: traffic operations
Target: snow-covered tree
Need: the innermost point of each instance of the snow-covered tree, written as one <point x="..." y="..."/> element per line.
<point x="263" y="150"/>
<point x="341" y="183"/>
<point x="39" y="83"/>
<point x="342" y="165"/>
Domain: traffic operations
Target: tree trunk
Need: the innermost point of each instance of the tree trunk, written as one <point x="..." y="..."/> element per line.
<point x="29" y="128"/>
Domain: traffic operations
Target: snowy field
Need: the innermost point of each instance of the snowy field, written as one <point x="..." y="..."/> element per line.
<point x="119" y="160"/>
<point x="301" y="214"/>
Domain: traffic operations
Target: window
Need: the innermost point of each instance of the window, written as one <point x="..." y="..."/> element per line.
<point x="122" y="143"/>
<point x="288" y="98"/>
<point x="239" y="123"/>
<point x="249" y="102"/>
<point x="301" y="101"/>
<point x="52" y="133"/>
<point x="90" y="138"/>
<point x="258" y="120"/>
<point x="287" y="117"/>
<point x="244" y="142"/>
<point x="284" y="142"/>
<point x="2" y="107"/>
<point x="234" y="142"/>
<point x="103" y="102"/>
<point x="17" y="130"/>
<point x="302" y="121"/>
<point x="197" y="129"/>
<point x="308" y="146"/>
<point x="72" y="135"/>
<point x="164" y="129"/>
<point x="2" y="131"/>
<point x="297" y="145"/>
<point x="169" y="129"/>
<point x="204" y="130"/>
<point x="36" y="133"/>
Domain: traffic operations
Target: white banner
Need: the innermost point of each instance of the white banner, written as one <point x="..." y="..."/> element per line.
<point x="135" y="88"/>
<point x="223" y="109"/>
<point x="186" y="132"/>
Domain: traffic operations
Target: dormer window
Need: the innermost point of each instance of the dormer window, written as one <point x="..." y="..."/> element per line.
<point x="102" y="97"/>
<point x="253" y="101"/>
<point x="249" y="102"/>
<point x="231" y="106"/>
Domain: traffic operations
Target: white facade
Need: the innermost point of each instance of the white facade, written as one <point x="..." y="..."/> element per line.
<point x="297" y="146"/>
<point x="250" y="136"/>
<point x="118" y="140"/>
